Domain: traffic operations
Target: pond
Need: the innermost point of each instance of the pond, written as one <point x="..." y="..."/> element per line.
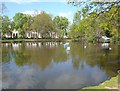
<point x="58" y="65"/>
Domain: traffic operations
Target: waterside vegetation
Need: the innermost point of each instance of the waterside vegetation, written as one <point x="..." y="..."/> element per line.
<point x="90" y="23"/>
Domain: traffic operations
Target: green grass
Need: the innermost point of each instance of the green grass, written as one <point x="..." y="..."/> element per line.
<point x="109" y="85"/>
<point x="35" y="40"/>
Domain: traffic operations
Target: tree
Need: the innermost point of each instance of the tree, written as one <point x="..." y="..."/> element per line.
<point x="73" y="33"/>
<point x="28" y="23"/>
<point x="98" y="19"/>
<point x="92" y="6"/>
<point x="2" y="7"/>
<point x="61" y="25"/>
<point x="43" y="23"/>
<point x="20" y="20"/>
<point x="6" y="25"/>
<point x="77" y="17"/>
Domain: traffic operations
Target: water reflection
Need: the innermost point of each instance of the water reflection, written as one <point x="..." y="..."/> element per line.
<point x="65" y="65"/>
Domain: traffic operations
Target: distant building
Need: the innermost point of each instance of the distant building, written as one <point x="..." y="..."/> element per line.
<point x="15" y="34"/>
<point x="7" y="35"/>
<point x="65" y="36"/>
<point x="54" y="35"/>
<point x="105" y="38"/>
<point x="33" y="34"/>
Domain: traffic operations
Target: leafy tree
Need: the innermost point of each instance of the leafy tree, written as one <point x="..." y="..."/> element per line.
<point x="6" y="25"/>
<point x="43" y="23"/>
<point x="73" y="33"/>
<point x="61" y="25"/>
<point x="77" y="17"/>
<point x="20" y="20"/>
<point x="91" y="6"/>
<point x="98" y="19"/>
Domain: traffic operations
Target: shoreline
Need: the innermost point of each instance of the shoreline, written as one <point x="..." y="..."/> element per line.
<point x="47" y="40"/>
<point x="113" y="83"/>
<point x="35" y="40"/>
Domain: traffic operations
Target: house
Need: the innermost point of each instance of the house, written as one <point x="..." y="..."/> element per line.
<point x="7" y="35"/>
<point x="33" y="34"/>
<point x="15" y="34"/>
<point x="54" y="35"/>
<point x="65" y="36"/>
<point x="105" y="38"/>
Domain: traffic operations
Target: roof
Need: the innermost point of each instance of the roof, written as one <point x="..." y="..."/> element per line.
<point x="105" y="38"/>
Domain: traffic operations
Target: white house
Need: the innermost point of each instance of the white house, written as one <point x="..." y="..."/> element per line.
<point x="105" y="38"/>
<point x="65" y="36"/>
<point x="33" y="34"/>
<point x="7" y="35"/>
<point x="15" y="34"/>
<point x="54" y="35"/>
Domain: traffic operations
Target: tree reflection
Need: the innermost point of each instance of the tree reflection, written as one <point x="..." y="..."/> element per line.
<point x="94" y="55"/>
<point x="78" y="54"/>
<point x="6" y="50"/>
<point x="43" y="54"/>
<point x="60" y="54"/>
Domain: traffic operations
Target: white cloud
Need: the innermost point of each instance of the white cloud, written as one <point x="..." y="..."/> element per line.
<point x="68" y="15"/>
<point x="31" y="12"/>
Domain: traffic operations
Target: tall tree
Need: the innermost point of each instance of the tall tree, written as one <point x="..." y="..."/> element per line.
<point x="98" y="19"/>
<point x="6" y="25"/>
<point x="2" y="7"/>
<point x="77" y="17"/>
<point x="20" y="20"/>
<point x="43" y="23"/>
<point x="61" y="25"/>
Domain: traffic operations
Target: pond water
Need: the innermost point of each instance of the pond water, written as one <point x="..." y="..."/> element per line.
<point x="57" y="65"/>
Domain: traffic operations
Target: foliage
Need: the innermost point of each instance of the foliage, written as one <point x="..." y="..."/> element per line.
<point x="20" y="21"/>
<point x="77" y="17"/>
<point x="61" y="25"/>
<point x="94" y="20"/>
<point x="6" y="28"/>
<point x="43" y="23"/>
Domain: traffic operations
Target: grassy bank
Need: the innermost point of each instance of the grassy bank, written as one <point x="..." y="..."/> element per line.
<point x="46" y="40"/>
<point x="35" y="40"/>
<point x="110" y="85"/>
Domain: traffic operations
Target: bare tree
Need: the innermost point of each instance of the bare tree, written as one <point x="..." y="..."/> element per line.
<point x="2" y="8"/>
